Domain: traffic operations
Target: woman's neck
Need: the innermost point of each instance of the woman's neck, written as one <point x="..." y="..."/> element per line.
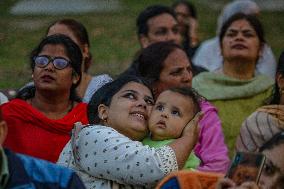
<point x="239" y="69"/>
<point x="51" y="105"/>
<point x="82" y="87"/>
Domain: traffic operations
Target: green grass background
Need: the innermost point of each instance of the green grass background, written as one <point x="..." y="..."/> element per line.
<point x="113" y="36"/>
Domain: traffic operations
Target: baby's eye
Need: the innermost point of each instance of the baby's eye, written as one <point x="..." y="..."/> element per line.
<point x="176" y="112"/>
<point x="159" y="107"/>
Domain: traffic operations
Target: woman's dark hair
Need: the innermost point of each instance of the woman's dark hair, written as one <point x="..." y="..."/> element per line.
<point x="190" y="7"/>
<point x="251" y="19"/>
<point x="275" y="97"/>
<point x="151" y="59"/>
<point x="81" y="34"/>
<point x="147" y="14"/>
<point x="74" y="54"/>
<point x="190" y="93"/>
<point x="105" y="93"/>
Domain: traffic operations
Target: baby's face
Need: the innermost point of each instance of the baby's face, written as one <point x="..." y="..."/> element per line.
<point x="171" y="113"/>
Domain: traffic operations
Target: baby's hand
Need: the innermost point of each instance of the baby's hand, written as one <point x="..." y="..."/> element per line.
<point x="191" y="129"/>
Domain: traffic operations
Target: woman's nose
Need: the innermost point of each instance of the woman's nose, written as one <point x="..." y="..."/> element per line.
<point x="49" y="66"/>
<point x="142" y="103"/>
<point x="239" y="36"/>
<point x="186" y="76"/>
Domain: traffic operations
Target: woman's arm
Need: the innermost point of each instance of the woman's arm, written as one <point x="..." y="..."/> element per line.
<point x="104" y="153"/>
<point x="211" y="148"/>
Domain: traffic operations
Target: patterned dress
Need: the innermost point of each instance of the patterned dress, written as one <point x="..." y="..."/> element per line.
<point x="104" y="158"/>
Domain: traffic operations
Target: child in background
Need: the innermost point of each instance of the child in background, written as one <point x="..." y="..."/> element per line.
<point x="173" y="110"/>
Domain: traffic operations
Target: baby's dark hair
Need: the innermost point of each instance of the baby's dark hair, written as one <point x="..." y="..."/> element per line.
<point x="191" y="93"/>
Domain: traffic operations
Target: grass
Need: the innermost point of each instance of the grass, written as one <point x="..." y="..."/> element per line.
<point x="113" y="37"/>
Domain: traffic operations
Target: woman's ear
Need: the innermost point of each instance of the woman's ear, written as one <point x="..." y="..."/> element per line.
<point x="75" y="77"/>
<point x="260" y="52"/>
<point x="85" y="51"/>
<point x="103" y="113"/>
<point x="144" y="41"/>
<point x="3" y="131"/>
<point x="280" y="81"/>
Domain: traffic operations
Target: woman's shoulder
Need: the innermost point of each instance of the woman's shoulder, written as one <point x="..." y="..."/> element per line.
<point x="100" y="131"/>
<point x="16" y="103"/>
<point x="260" y="126"/>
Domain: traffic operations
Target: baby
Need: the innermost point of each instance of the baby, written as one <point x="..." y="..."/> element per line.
<point x="173" y="110"/>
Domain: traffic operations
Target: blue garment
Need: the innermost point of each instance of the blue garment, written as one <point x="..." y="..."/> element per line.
<point x="29" y="173"/>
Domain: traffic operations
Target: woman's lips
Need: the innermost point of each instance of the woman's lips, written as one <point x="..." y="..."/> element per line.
<point x="47" y="78"/>
<point x="239" y="46"/>
<point x="140" y="115"/>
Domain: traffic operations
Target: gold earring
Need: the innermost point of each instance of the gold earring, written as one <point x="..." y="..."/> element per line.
<point x="104" y="119"/>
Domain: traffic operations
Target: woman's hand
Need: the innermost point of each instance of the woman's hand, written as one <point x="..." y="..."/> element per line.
<point x="193" y="32"/>
<point x="226" y="183"/>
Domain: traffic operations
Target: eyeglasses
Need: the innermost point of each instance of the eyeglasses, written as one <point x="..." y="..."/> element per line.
<point x="58" y="62"/>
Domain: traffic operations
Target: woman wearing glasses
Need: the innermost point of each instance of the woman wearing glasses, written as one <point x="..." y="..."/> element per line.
<point x="41" y="117"/>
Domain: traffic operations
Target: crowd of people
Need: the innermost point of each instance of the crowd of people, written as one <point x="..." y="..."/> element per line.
<point x="173" y="119"/>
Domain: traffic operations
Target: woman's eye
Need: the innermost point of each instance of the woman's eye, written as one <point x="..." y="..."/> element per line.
<point x="231" y="34"/>
<point x="176" y="73"/>
<point x="149" y="102"/>
<point x="130" y="96"/>
<point x="175" y="30"/>
<point x="248" y="35"/>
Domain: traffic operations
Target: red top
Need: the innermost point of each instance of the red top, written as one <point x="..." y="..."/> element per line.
<point x="32" y="133"/>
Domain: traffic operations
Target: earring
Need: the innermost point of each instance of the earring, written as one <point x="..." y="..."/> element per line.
<point x="103" y="119"/>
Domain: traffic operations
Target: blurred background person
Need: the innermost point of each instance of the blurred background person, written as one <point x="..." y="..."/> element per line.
<point x="41" y="117"/>
<point x="21" y="171"/>
<point x="267" y="120"/>
<point x="188" y="25"/>
<point x="157" y="23"/>
<point x="166" y="65"/>
<point x="235" y="89"/>
<point x="209" y="54"/>
<point x="78" y="33"/>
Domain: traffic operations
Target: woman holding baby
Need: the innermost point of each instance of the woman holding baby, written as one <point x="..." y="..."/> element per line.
<point x="108" y="153"/>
